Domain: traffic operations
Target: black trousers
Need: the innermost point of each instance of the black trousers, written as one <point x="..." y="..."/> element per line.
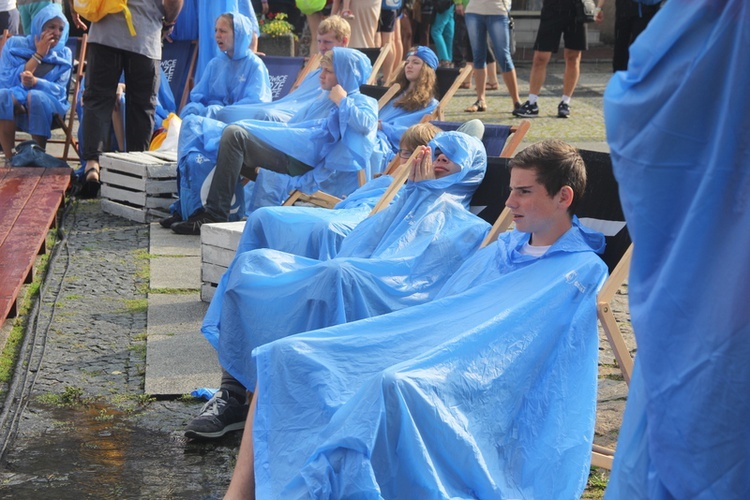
<point x="104" y="65"/>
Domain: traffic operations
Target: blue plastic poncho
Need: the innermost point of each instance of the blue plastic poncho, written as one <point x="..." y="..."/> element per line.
<point x="337" y="146"/>
<point x="684" y="177"/>
<point x="50" y="94"/>
<point x="394" y="259"/>
<point x="488" y="392"/>
<point x="208" y="11"/>
<point x="241" y="79"/>
<point x="393" y="123"/>
<point x="281" y="110"/>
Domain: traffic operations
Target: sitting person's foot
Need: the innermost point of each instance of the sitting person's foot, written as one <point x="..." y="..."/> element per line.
<point x="167" y="222"/>
<point x="193" y="224"/>
<point x="221" y="414"/>
<point x="91" y="183"/>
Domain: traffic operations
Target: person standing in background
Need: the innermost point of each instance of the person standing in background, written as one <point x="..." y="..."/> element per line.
<point x="112" y="50"/>
<point x="631" y="18"/>
<point x="9" y="17"/>
<point x="558" y="19"/>
<point x="27" y="9"/>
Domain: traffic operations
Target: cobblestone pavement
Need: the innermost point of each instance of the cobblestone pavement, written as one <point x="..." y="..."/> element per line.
<point x="77" y="425"/>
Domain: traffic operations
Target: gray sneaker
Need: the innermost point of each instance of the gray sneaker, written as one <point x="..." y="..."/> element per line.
<point x="221" y="414"/>
<point x="563" y="110"/>
<point x="527" y="109"/>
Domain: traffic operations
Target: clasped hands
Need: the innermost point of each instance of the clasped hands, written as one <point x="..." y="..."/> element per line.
<point x="421" y="167"/>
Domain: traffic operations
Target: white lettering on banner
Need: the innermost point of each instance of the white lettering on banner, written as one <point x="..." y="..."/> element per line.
<point x="277" y="85"/>
<point x="169" y="66"/>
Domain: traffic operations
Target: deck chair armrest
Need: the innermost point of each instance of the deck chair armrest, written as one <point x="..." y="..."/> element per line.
<point x="318" y="198"/>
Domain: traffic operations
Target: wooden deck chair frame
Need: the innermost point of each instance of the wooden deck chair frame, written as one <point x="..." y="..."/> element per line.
<point x="313" y="63"/>
<point x="600" y="456"/>
<point x="378" y="62"/>
<point x="439" y="113"/>
<point x="184" y="93"/>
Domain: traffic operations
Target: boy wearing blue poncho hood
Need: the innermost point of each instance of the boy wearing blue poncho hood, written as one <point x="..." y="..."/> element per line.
<point x="396" y="258"/>
<point x="326" y="144"/>
<point x="489" y="391"/>
<point x="235" y="76"/>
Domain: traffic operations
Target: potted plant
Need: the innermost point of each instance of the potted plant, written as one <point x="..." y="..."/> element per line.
<point x="276" y="35"/>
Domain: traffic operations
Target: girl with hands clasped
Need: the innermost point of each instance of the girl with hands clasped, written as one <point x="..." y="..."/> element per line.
<point x="34" y="74"/>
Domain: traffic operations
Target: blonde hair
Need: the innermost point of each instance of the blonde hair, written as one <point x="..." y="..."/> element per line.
<point x="338" y="25"/>
<point x="418" y="135"/>
<point x="418" y="95"/>
<point x="327" y="58"/>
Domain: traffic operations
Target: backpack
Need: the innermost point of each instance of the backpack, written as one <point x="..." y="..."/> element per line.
<point x="442" y="5"/>
<point x="95" y="10"/>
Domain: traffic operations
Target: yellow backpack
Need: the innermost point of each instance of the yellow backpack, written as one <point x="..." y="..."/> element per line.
<point x="95" y="10"/>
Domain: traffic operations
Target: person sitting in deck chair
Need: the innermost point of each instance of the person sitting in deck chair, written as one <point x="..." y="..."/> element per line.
<point x="34" y="76"/>
<point x="235" y="76"/>
<point x="397" y="258"/>
<point x="487" y="391"/>
<point x="324" y="146"/>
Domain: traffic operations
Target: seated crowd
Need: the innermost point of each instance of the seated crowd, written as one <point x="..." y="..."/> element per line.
<point x="373" y="352"/>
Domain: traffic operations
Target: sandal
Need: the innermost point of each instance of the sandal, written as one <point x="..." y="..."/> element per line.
<point x="90" y="187"/>
<point x="465" y="85"/>
<point x="479" y="105"/>
<point x="491" y="86"/>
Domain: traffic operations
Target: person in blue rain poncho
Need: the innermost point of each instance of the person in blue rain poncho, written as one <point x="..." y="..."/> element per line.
<point x="332" y="32"/>
<point x="489" y="391"/>
<point x="324" y="146"/>
<point x="397" y="258"/>
<point x="208" y="12"/>
<point x="684" y="177"/>
<point x="415" y="100"/>
<point x="235" y="76"/>
<point x="34" y="75"/>
<point x="315" y="233"/>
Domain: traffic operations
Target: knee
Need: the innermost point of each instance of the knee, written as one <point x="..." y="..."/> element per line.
<point x="572" y="57"/>
<point x="233" y="135"/>
<point x="541" y="59"/>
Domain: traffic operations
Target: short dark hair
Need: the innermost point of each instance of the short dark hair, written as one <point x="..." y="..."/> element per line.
<point x="557" y="164"/>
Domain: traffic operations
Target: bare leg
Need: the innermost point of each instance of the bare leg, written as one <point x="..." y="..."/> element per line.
<point x="242" y="485"/>
<point x="509" y="77"/>
<point x="480" y="78"/>
<point x="572" y="71"/>
<point x="398" y="47"/>
<point x="7" y="137"/>
<point x="407" y="35"/>
<point x="538" y="71"/>
<point x="492" y="74"/>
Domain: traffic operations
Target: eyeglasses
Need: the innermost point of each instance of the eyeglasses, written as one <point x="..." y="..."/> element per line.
<point x="405" y="154"/>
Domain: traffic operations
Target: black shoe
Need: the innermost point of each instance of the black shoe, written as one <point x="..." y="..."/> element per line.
<point x="193" y="224"/>
<point x="221" y="414"/>
<point x="167" y="222"/>
<point x="563" y="110"/>
<point x="91" y="185"/>
<point x="526" y="109"/>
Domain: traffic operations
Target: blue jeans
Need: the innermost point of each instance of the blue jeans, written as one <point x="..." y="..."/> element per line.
<point x="497" y="27"/>
<point x="442" y="34"/>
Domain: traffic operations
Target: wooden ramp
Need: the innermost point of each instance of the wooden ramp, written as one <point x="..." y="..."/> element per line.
<point x="29" y="200"/>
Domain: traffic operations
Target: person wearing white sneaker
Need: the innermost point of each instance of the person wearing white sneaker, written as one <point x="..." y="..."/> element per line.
<point x="558" y="19"/>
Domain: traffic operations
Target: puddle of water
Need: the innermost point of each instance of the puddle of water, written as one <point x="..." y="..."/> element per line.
<point x="98" y="452"/>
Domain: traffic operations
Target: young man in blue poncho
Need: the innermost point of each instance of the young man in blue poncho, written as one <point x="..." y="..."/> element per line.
<point x="489" y="391"/>
<point x="34" y="74"/>
<point x="397" y="258"/>
<point x="323" y="147"/>
<point x="235" y="76"/>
